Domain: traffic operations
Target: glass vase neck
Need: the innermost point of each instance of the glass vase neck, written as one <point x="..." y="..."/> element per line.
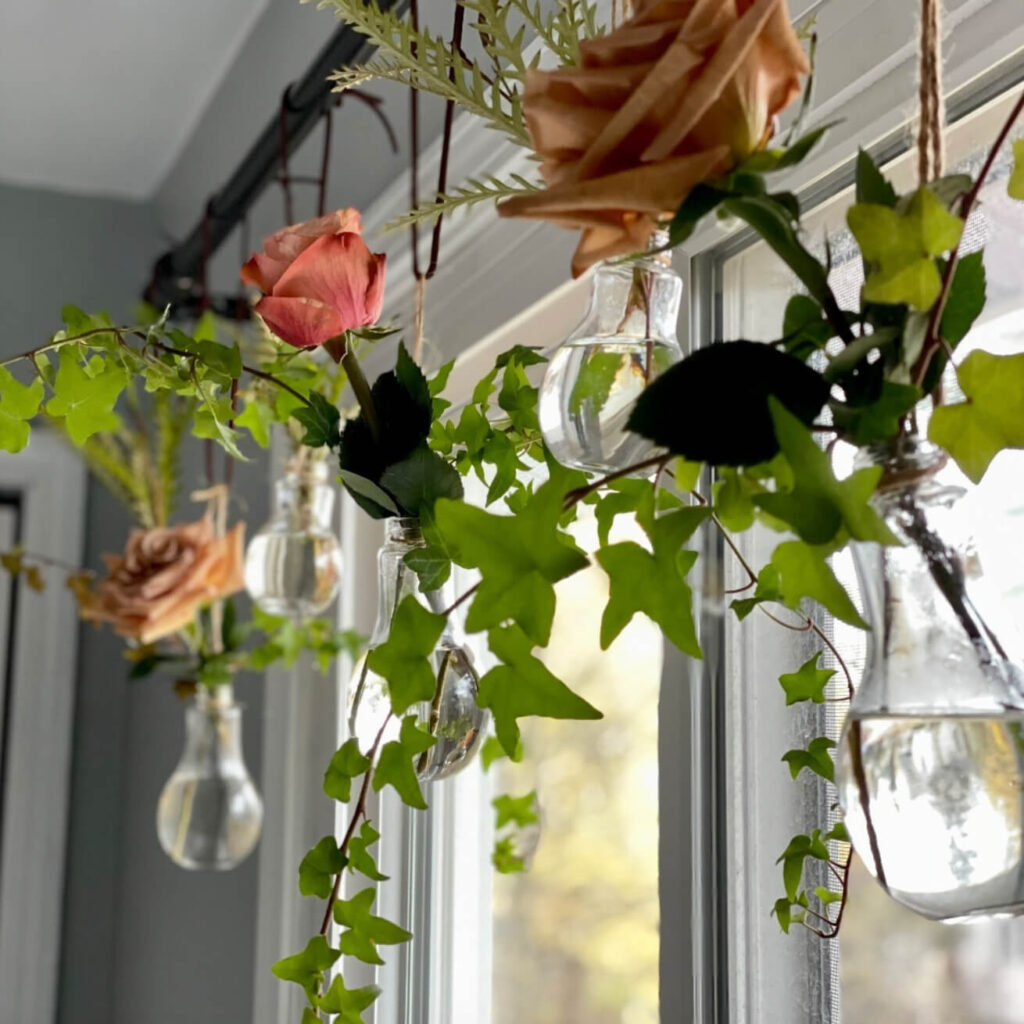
<point x="303" y="496"/>
<point x="638" y="299"/>
<point x="396" y="580"/>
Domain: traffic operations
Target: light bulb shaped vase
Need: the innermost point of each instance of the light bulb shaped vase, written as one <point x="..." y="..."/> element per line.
<point x="931" y="762"/>
<point x="210" y="813"/>
<point x="293" y="564"/>
<point x="626" y="340"/>
<point x="452" y="716"/>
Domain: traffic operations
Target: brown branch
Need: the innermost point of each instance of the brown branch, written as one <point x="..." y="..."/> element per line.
<point x="358" y="813"/>
<point x="932" y="341"/>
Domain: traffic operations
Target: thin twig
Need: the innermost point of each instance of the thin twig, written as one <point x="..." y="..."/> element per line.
<point x="358" y="813"/>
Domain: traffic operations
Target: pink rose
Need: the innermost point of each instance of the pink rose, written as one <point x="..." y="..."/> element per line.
<point x="319" y="280"/>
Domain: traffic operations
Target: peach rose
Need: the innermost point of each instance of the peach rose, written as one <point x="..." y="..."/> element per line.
<point x="678" y="94"/>
<point x="164" y="577"/>
<point x="319" y="280"/>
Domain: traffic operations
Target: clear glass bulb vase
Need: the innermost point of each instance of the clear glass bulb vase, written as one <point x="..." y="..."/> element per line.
<point x="210" y="813"/>
<point x="626" y="340"/>
<point x="452" y="715"/>
<point x="293" y="564"/>
<point x="931" y="762"/>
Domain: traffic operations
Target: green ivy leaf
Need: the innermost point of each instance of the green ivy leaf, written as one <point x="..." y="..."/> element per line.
<point x="816" y="758"/>
<point x="976" y="430"/>
<point x="410" y="376"/>
<point x="319" y="866"/>
<point x="819" y="505"/>
<point x="403" y="659"/>
<point x="878" y="421"/>
<point x="654" y="584"/>
<point x="793" y="857"/>
<point x="212" y="418"/>
<point x="492" y="751"/>
<point x="827" y="896"/>
<point x="522" y="685"/>
<point x="85" y="401"/>
<point x="18" y="404"/>
<point x="966" y="298"/>
<point x="321" y="420"/>
<point x="307" y="968"/>
<point x="805" y="329"/>
<point x="1015" y="186"/>
<point x="803" y="571"/>
<point x="899" y="246"/>
<point x="515" y="810"/>
<point x="355" y="913"/>
<point x="348" y="1003"/>
<point x="807" y="683"/>
<point x="741" y="376"/>
<point x="767" y="589"/>
<point x="872" y="186"/>
<point x="624" y="497"/>
<point x="395" y="765"/>
<point x="359" y="857"/>
<point x="256" y="417"/>
<point x="519" y="558"/>
<point x="419" y="480"/>
<point x="347" y="764"/>
<point x="781" y="910"/>
<point x="505" y="857"/>
<point x="766" y="161"/>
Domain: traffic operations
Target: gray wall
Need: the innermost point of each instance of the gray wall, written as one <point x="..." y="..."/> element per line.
<point x="143" y="941"/>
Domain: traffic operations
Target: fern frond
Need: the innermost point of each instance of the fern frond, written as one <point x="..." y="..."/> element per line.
<point x="172" y="415"/>
<point x="472" y="193"/>
<point x="426" y="62"/>
<point x="109" y="460"/>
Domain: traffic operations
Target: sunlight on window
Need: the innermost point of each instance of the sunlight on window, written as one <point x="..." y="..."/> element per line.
<point x="576" y="938"/>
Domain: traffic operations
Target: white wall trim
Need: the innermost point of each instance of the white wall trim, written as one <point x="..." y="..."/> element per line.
<point x="50" y="480"/>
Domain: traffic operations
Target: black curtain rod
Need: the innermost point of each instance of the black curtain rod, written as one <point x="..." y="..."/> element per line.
<point x="176" y="274"/>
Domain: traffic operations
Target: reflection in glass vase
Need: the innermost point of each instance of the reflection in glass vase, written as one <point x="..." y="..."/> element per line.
<point x="210" y="813"/>
<point x="293" y="564"/>
<point x="931" y="772"/>
<point x="625" y="341"/>
<point x="452" y="716"/>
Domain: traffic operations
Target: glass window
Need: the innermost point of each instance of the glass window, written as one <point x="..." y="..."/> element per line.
<point x="576" y="937"/>
<point x="889" y="964"/>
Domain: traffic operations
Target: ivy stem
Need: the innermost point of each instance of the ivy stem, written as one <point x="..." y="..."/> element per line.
<point x="361" y="389"/>
<point x="61" y="342"/>
<point x="933" y="342"/>
<point x="357" y="815"/>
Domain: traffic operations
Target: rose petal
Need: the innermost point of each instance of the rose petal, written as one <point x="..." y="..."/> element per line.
<point x="290" y="242"/>
<point x="340" y="272"/>
<point x="303" y="323"/>
<point x="262" y="272"/>
<point x="710" y="83"/>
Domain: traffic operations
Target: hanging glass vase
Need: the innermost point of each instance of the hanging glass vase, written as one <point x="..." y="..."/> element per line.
<point x="210" y="813"/>
<point x="626" y="340"/>
<point x="452" y="715"/>
<point x="293" y="564"/>
<point x="931" y="765"/>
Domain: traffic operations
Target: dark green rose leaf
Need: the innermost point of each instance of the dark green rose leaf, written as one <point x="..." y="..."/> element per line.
<point x="713" y="406"/>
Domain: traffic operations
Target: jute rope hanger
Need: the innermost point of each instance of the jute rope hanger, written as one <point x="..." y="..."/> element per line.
<point x="930" y="142"/>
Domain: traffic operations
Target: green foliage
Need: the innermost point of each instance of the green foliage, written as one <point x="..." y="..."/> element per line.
<point x="403" y="660"/>
<point x="85" y="396"/>
<point x="1015" y="186"/>
<point x="819" y="506"/>
<point x="654" y="582"/>
<point x="395" y="765"/>
<point x="365" y="931"/>
<point x="321" y="420"/>
<point x="18" y="404"/>
<point x="802" y="570"/>
<point x="519" y="558"/>
<point x="899" y="246"/>
<point x="319" y="866"/>
<point x="348" y="763"/>
<point x="359" y="857"/>
<point x="807" y="683"/>
<point x="349" y="1004"/>
<point x="466" y="196"/>
<point x="989" y="420"/>
<point x="515" y="810"/>
<point x="522" y="685"/>
<point x="816" y="758"/>
<point x="793" y="857"/>
<point x="308" y="967"/>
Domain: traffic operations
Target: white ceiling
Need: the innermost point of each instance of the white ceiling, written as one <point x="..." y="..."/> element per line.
<point x="99" y="97"/>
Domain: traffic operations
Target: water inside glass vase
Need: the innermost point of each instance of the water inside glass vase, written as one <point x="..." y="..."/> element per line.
<point x="931" y="765"/>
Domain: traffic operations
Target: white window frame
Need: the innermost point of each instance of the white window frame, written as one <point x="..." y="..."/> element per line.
<point x="50" y="482"/>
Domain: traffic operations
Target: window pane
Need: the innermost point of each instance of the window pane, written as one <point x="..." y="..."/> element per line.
<point x="576" y="937"/>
